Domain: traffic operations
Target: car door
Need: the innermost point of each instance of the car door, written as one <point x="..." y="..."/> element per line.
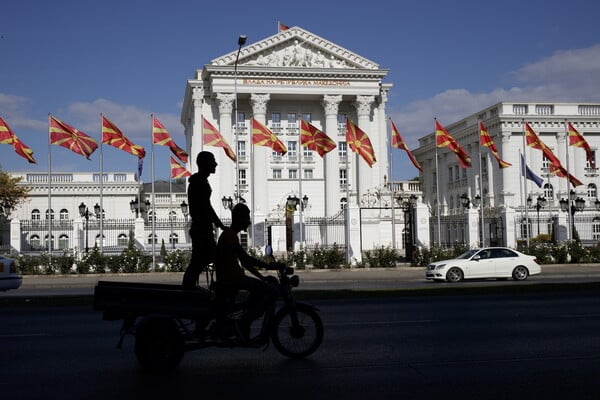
<point x="484" y="267"/>
<point x="506" y="261"/>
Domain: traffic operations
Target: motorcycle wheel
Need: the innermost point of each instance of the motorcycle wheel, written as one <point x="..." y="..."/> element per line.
<point x="297" y="341"/>
<point x="158" y="344"/>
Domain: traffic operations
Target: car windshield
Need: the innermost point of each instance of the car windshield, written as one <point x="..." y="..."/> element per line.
<point x="467" y="254"/>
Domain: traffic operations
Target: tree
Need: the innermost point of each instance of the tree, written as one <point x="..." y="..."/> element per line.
<point x="11" y="192"/>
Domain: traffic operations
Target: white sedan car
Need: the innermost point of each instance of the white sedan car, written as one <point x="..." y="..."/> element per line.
<point x="9" y="278"/>
<point x="489" y="262"/>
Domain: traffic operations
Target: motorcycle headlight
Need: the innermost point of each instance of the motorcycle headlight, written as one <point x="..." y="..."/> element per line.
<point x="440" y="266"/>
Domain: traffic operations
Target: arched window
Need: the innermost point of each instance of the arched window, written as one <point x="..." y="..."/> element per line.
<point x="548" y="191"/>
<point x="98" y="240"/>
<point x="49" y="214"/>
<point x="35" y="242"/>
<point x="51" y="242"/>
<point x="64" y="215"/>
<point x="63" y="242"/>
<point x="35" y="215"/>
<point x="122" y="240"/>
<point x="173" y="238"/>
<point x="151" y="216"/>
<point x="172" y="215"/>
<point x="592" y="191"/>
<point x="343" y="203"/>
<point x="150" y="236"/>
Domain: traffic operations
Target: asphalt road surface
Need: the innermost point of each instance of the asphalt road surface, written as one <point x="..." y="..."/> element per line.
<point x="542" y="345"/>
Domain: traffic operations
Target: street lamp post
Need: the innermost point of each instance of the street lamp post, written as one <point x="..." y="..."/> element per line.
<point x="573" y="205"/>
<point x="241" y="41"/>
<point x="85" y="213"/>
<point x="291" y="205"/>
<point x="408" y="206"/>
<point x="539" y="204"/>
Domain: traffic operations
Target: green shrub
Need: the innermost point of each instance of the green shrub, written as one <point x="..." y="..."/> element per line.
<point x="177" y="260"/>
<point x="384" y="257"/>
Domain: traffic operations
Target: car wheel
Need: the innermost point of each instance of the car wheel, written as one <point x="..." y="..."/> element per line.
<point x="454" y="275"/>
<point x="520" y="273"/>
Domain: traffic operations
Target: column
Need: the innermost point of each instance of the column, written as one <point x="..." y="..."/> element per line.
<point x="15" y="235"/>
<point x="331" y="161"/>
<point x="380" y="142"/>
<point x="260" y="169"/>
<point x="422" y="226"/>
<point x="508" y="225"/>
<point x="561" y="142"/>
<point x="363" y="106"/>
<point x="226" y="176"/>
<point x="195" y="139"/>
<point x="473" y="227"/>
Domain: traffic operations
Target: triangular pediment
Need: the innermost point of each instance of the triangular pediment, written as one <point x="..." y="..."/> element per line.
<point x="296" y="48"/>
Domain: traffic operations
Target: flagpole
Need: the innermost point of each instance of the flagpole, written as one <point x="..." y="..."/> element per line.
<point x="390" y="172"/>
<point x="171" y="205"/>
<point x="300" y="186"/>
<point x="525" y="186"/>
<point x="49" y="215"/>
<point x="101" y="189"/>
<point x="482" y="200"/>
<point x="569" y="215"/>
<point x="437" y="193"/>
<point x="153" y="203"/>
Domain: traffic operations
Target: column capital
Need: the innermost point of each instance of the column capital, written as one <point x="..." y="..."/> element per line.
<point x="561" y="137"/>
<point x="259" y="102"/>
<point x="364" y="104"/>
<point x="225" y="101"/>
<point x="197" y="94"/>
<point x="331" y="103"/>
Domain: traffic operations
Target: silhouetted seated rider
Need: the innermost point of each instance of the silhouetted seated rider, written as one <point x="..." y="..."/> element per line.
<point x="230" y="261"/>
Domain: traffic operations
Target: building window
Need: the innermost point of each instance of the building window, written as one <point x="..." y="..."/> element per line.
<point x="51" y="242"/>
<point x="588" y="166"/>
<point x="292" y="153"/>
<point x="64" y="215"/>
<point x="525" y="228"/>
<point x="308" y="174"/>
<point x="241" y="150"/>
<point x="293" y="174"/>
<point x="51" y="214"/>
<point x="150" y="236"/>
<point x="292" y="124"/>
<point x="151" y="215"/>
<point x="172" y="215"/>
<point x="276" y="123"/>
<point x="343" y="151"/>
<point x="592" y="191"/>
<point x="242" y="177"/>
<point x="276" y="174"/>
<point x="343" y="178"/>
<point x="35" y="242"/>
<point x="35" y="215"/>
<point x="548" y="191"/>
<point x="308" y="153"/>
<point x="484" y="165"/>
<point x="596" y="229"/>
<point x="343" y="203"/>
<point x="341" y="121"/>
<point x="545" y="164"/>
<point x="122" y="240"/>
<point x="173" y="238"/>
<point x="307" y="117"/>
<point x="450" y="174"/>
<point x="63" y="242"/>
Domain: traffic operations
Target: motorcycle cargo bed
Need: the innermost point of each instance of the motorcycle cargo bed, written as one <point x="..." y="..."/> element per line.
<point x="119" y="300"/>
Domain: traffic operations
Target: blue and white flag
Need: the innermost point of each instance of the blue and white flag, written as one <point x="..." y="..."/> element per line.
<point x="529" y="174"/>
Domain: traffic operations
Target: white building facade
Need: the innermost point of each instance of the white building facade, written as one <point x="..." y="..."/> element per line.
<point x="280" y="80"/>
<point x="507" y="216"/>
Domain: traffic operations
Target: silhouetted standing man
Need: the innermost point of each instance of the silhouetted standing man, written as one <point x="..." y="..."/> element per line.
<point x="204" y="218"/>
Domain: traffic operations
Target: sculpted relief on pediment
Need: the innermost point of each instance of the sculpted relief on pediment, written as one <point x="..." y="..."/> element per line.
<point x="296" y="55"/>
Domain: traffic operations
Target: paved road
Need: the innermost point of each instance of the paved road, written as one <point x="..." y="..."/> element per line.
<point x="348" y="279"/>
<point x="526" y="346"/>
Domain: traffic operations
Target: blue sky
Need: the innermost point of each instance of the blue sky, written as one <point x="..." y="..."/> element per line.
<point x="128" y="59"/>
